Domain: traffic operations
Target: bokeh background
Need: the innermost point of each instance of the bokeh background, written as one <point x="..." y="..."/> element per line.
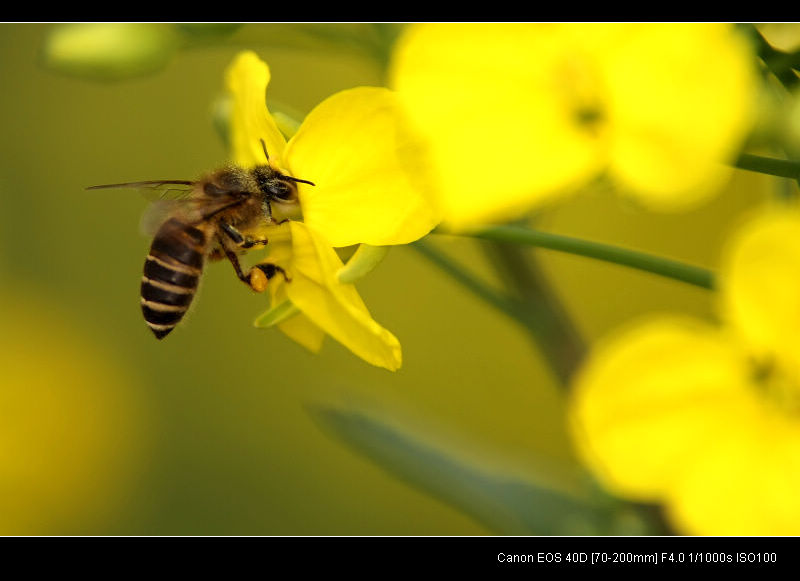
<point x="225" y="429"/>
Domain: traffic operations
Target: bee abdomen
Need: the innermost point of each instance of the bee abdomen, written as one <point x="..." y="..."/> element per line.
<point x="171" y="275"/>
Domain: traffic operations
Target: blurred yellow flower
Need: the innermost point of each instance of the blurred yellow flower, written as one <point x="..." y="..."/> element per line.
<point x="516" y="115"/>
<point x="705" y="418"/>
<point x="74" y="429"/>
<point x="370" y="186"/>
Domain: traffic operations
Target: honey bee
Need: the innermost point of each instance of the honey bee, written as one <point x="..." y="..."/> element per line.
<point x="209" y="221"/>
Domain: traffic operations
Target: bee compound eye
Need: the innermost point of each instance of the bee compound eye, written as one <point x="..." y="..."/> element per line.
<point x="284" y="192"/>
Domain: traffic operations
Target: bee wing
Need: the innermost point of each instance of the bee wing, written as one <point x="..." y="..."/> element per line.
<point x="174" y="198"/>
<point x="155" y="189"/>
<point x="168" y="197"/>
<point x="192" y="210"/>
<point x="158" y="212"/>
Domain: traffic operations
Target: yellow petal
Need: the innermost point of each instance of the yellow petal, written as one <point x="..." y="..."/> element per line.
<point x="676" y="121"/>
<point x="748" y="482"/>
<point x="494" y="103"/>
<point x="335" y="308"/>
<point x="668" y="412"/>
<point x="297" y="327"/>
<point x="302" y="330"/>
<point x="760" y="280"/>
<point x="652" y="402"/>
<point x="371" y="182"/>
<point x="247" y="79"/>
<point x="282" y="313"/>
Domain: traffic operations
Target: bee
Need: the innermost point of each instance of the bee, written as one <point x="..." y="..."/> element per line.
<point x="208" y="221"/>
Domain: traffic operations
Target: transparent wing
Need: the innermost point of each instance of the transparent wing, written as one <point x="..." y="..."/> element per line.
<point x="155" y="189"/>
<point x="168" y="197"/>
<point x="174" y="199"/>
<point x="193" y="210"/>
<point x="158" y="212"/>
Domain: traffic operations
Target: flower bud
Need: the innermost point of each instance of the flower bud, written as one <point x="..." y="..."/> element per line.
<point x="109" y="51"/>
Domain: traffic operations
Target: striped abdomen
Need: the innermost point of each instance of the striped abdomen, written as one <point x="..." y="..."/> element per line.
<point x="171" y="274"/>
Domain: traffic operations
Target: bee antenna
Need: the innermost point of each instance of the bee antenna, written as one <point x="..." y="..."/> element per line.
<point x="299" y="180"/>
<point x="264" y="146"/>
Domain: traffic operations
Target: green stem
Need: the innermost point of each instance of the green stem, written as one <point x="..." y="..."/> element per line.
<point x="782" y="168"/>
<point x="781" y="64"/>
<point x="469" y="280"/>
<point x="666" y="267"/>
<point x="537" y="309"/>
<point x="540" y="309"/>
<point x="364" y="261"/>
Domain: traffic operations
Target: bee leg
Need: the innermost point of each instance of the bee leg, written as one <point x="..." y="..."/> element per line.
<point x="250" y="242"/>
<point x="270" y="270"/>
<point x="216" y="254"/>
<point x="230" y="255"/>
<point x="261" y="274"/>
<point x="238" y="238"/>
<point x="258" y="276"/>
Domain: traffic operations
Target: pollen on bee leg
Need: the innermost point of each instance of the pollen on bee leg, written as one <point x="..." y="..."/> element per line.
<point x="258" y="280"/>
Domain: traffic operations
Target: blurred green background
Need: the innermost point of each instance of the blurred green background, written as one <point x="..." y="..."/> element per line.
<point x="217" y="429"/>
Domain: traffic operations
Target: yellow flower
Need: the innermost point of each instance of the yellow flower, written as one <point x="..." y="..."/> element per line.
<point x="318" y="303"/>
<point x="369" y="172"/>
<point x="516" y="115"/>
<point x="370" y="182"/>
<point x="706" y="418"/>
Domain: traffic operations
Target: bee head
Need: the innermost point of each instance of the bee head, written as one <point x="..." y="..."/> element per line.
<point x="275" y="186"/>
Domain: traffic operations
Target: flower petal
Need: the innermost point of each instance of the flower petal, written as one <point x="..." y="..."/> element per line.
<point x="652" y="403"/>
<point x="326" y="305"/>
<point x="370" y="176"/>
<point x="489" y="98"/>
<point x="285" y="315"/>
<point x="247" y="79"/>
<point x="747" y="485"/>
<point x="302" y="330"/>
<point x="761" y="285"/>
<point x="675" y="120"/>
